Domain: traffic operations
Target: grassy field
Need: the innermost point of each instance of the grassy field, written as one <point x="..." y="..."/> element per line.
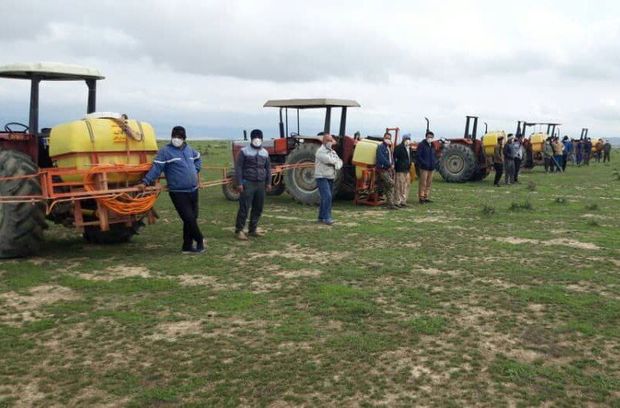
<point x="488" y="297"/>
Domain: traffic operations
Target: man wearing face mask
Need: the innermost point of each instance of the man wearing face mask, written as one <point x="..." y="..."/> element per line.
<point x="181" y="165"/>
<point x="385" y="170"/>
<point x="402" y="165"/>
<point x="253" y="176"/>
<point x="326" y="164"/>
<point x="427" y="161"/>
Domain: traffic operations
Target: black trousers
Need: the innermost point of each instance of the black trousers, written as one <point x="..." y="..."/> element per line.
<point x="517" y="168"/>
<point x="499" y="169"/>
<point x="253" y="196"/>
<point x="186" y="205"/>
<point x="564" y="160"/>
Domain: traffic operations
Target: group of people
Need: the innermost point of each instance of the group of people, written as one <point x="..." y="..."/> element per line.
<point x="507" y="158"/>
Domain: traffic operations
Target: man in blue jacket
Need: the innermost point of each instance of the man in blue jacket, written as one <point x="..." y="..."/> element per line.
<point x="427" y="161"/>
<point x="181" y="165"/>
<point x="385" y="170"/>
<point x="253" y="177"/>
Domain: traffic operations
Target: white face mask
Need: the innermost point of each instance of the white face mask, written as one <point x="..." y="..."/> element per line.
<point x="177" y="142"/>
<point x="257" y="142"/>
<point x="407" y="143"/>
<point x="429" y="140"/>
<point x="329" y="145"/>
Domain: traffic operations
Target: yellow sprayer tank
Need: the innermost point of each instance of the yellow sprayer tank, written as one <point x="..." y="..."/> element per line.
<point x="85" y="143"/>
<point x="489" y="141"/>
<point x="365" y="155"/>
<point x="537" y="141"/>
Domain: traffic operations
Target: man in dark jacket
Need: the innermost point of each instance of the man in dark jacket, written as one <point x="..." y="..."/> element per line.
<point x="587" y="151"/>
<point x="181" y="165"/>
<point x="509" y="161"/>
<point x="253" y="177"/>
<point x="385" y="170"/>
<point x="606" y="152"/>
<point x="427" y="160"/>
<point x="498" y="160"/>
<point x="402" y="166"/>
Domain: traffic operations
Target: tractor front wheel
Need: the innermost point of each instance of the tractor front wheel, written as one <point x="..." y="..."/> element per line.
<point x="21" y="224"/>
<point x="230" y="189"/>
<point x="457" y="163"/>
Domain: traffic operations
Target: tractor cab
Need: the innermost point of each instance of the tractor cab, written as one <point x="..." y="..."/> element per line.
<point x="27" y="138"/>
<point x="535" y="141"/>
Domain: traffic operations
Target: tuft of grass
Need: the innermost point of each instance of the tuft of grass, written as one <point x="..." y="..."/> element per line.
<point x="429" y="325"/>
<point x="592" y="207"/>
<point x="593" y="223"/>
<point x="521" y="206"/>
<point x="488" y="210"/>
<point x="560" y="200"/>
<point x="615" y="175"/>
<point x="531" y="186"/>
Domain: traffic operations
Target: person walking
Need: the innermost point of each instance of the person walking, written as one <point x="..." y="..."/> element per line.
<point x="385" y="170"/>
<point x="498" y="160"/>
<point x="518" y="149"/>
<point x="181" y="165"/>
<point x="607" y="152"/>
<point x="326" y="164"/>
<point x="427" y="161"/>
<point x="402" y="166"/>
<point x="509" y="161"/>
<point x="253" y="178"/>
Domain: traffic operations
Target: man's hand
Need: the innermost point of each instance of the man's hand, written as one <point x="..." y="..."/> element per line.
<point x="268" y="188"/>
<point x="141" y="187"/>
<point x="240" y="188"/>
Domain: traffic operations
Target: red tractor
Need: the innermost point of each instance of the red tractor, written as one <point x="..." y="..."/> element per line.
<point x="292" y="153"/>
<point x="462" y="159"/>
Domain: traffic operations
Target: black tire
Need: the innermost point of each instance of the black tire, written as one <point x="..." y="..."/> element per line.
<point x="480" y="174"/>
<point x="21" y="224"/>
<point x="118" y="233"/>
<point x="457" y="163"/>
<point x="230" y="189"/>
<point x="300" y="183"/>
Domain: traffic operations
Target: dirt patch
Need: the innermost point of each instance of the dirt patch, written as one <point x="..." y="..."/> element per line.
<point x="431" y="219"/>
<point x="557" y="241"/>
<point x="117" y="272"/>
<point x="284" y="217"/>
<point x="299" y="253"/>
<point x="37" y="297"/>
<point x="300" y="273"/>
<point x="171" y="331"/>
<point x="205" y="280"/>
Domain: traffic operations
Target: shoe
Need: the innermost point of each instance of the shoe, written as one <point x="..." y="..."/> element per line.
<point x="391" y="207"/>
<point x="200" y="248"/>
<point x="426" y="200"/>
<point x="329" y="222"/>
<point x="241" y="236"/>
<point x="256" y="233"/>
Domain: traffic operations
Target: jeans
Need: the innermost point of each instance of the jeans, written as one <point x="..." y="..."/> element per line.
<point x="186" y="205"/>
<point x="253" y="196"/>
<point x="499" y="169"/>
<point x="325" y="186"/>
<point x="509" y="170"/>
<point x="558" y="162"/>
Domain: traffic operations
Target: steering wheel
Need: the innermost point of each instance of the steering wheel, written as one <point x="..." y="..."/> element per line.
<point x="7" y="127"/>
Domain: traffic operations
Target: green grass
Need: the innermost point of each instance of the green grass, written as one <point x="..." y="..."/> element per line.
<point x="487" y="297"/>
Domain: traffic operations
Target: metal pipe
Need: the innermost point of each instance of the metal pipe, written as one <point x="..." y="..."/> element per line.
<point x="33" y="120"/>
<point x="281" y="125"/>
<point x="428" y="123"/>
<point x="328" y="119"/>
<point x="286" y="114"/>
<point x="298" y="121"/>
<point x="475" y="130"/>
<point x="92" y="95"/>
<point x="343" y="121"/>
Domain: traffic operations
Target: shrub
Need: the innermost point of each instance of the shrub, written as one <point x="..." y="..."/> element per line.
<point x="524" y="205"/>
<point x="592" y="207"/>
<point x="488" y="210"/>
<point x="531" y="186"/>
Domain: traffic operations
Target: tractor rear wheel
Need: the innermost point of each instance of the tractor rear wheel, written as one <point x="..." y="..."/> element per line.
<point x="480" y="174"/>
<point x="300" y="183"/>
<point x="230" y="189"/>
<point x="117" y="234"/>
<point x="457" y="163"/>
<point x="21" y="224"/>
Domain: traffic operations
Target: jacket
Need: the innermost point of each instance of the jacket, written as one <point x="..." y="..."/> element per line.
<point x="509" y="153"/>
<point x="568" y="147"/>
<point x="326" y="163"/>
<point x="558" y="148"/>
<point x="402" y="159"/>
<point x="427" y="160"/>
<point x="547" y="149"/>
<point x="384" y="157"/>
<point x="180" y="165"/>
<point x="498" y="156"/>
<point x="517" y="148"/>
<point x="253" y="165"/>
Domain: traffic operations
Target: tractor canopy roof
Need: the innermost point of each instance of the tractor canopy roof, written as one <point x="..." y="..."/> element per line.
<point x="310" y="103"/>
<point x="49" y="71"/>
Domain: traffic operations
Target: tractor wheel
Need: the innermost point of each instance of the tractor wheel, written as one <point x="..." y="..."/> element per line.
<point x="230" y="189"/>
<point x="457" y="163"/>
<point x="300" y="183"/>
<point x="21" y="224"/>
<point x="479" y="175"/>
<point x="118" y="233"/>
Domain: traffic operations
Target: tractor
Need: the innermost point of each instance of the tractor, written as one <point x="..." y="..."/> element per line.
<point x="79" y="174"/>
<point x="292" y="153"/>
<point x="534" y="143"/>
<point x="463" y="159"/>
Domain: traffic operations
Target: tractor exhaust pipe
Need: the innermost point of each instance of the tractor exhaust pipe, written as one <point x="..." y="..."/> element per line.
<point x="428" y="122"/>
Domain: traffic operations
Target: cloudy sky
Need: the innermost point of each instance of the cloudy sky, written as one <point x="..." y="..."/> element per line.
<point x="210" y="65"/>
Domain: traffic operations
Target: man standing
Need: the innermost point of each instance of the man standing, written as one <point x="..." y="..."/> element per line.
<point x="517" y="147"/>
<point x="402" y="166"/>
<point x="427" y="161"/>
<point x="385" y="170"/>
<point x="606" y="152"/>
<point x="498" y="160"/>
<point x="253" y="177"/>
<point x="558" y="151"/>
<point x="326" y="164"/>
<point x="568" y="148"/>
<point x="181" y="165"/>
<point x="579" y="152"/>
<point x="587" y="151"/>
<point x="509" y="161"/>
<point x="548" y="155"/>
